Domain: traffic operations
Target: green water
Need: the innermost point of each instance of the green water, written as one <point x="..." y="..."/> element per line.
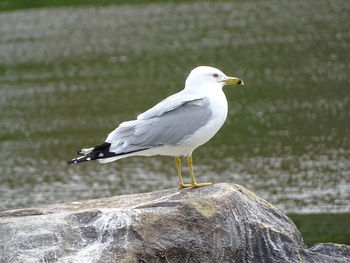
<point x="323" y="228"/>
<point x="70" y="75"/>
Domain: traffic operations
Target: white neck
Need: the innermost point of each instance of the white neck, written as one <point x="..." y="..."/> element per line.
<point x="203" y="87"/>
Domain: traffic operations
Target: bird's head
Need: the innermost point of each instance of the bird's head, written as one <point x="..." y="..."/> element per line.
<point x="209" y="77"/>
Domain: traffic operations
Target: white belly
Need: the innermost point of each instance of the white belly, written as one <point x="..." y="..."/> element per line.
<point x="218" y="105"/>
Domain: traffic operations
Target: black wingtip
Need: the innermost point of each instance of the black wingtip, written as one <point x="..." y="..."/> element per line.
<point x="99" y="152"/>
<point x="85" y="158"/>
<point x="72" y="161"/>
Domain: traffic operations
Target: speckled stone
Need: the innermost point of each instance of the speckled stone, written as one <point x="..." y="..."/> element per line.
<point x="219" y="223"/>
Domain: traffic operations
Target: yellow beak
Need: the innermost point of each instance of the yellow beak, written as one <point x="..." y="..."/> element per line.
<point x="234" y="81"/>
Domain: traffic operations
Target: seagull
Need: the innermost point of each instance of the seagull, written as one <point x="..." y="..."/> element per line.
<point x="175" y="127"/>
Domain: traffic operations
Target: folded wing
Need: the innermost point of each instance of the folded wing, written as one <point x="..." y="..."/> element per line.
<point x="168" y="123"/>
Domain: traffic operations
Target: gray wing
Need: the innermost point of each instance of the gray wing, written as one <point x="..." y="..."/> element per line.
<point x="169" y="128"/>
<point x="172" y="102"/>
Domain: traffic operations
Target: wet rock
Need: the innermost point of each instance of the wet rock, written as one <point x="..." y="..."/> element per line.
<point x="219" y="223"/>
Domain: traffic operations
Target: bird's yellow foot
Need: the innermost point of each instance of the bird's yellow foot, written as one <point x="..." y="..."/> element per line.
<point x="184" y="185"/>
<point x="195" y="185"/>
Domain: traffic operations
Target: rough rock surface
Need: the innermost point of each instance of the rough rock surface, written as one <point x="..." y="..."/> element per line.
<point x="219" y="223"/>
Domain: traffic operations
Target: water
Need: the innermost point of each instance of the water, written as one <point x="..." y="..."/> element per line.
<point x="68" y="76"/>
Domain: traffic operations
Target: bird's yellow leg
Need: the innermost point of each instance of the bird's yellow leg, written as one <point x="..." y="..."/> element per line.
<point x="178" y="168"/>
<point x="193" y="180"/>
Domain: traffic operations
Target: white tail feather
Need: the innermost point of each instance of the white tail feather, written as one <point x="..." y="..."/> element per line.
<point x="114" y="158"/>
<point x="110" y="159"/>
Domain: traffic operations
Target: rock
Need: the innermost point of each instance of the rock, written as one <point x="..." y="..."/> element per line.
<point x="219" y="223"/>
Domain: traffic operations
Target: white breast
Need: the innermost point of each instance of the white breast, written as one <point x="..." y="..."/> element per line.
<point x="218" y="105"/>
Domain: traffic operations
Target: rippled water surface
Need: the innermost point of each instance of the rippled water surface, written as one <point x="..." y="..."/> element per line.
<point x="68" y="76"/>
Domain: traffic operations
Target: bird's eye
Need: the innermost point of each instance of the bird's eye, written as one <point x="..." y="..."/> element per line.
<point x="215" y="75"/>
